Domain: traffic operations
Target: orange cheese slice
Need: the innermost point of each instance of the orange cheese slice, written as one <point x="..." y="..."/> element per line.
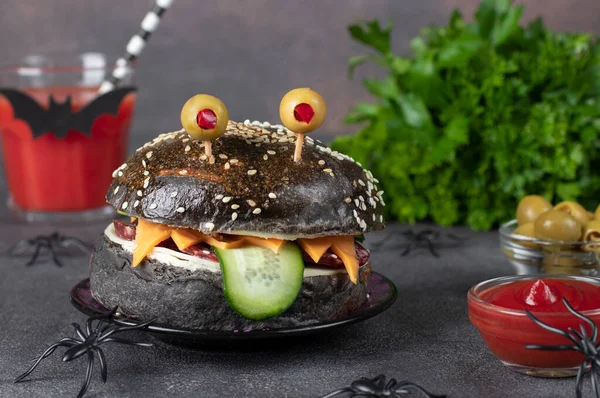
<point x="185" y="238"/>
<point x="273" y="244"/>
<point x="147" y="236"/>
<point x="342" y="246"/>
<point x="316" y="247"/>
<point x="223" y="244"/>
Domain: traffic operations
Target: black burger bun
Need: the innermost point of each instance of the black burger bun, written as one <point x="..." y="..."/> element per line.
<point x="249" y="186"/>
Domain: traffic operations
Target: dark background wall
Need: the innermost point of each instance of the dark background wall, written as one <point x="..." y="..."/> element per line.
<point x="249" y="53"/>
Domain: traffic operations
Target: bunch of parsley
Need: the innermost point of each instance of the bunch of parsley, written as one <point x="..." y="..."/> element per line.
<point x="482" y="114"/>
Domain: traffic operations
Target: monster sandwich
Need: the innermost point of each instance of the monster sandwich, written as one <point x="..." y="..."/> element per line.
<point x="238" y="225"/>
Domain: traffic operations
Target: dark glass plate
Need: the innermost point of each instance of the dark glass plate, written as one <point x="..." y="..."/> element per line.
<point x="382" y="296"/>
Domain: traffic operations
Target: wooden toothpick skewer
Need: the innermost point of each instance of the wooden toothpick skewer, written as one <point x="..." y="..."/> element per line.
<point x="299" y="145"/>
<point x="208" y="148"/>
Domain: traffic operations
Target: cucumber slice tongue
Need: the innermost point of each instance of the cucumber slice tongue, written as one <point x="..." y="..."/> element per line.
<point x="259" y="283"/>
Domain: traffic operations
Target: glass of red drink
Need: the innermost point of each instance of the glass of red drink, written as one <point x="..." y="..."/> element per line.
<point x="62" y="177"/>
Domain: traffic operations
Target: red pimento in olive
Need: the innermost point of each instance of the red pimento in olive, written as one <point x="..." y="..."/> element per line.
<point x="304" y="112"/>
<point x="206" y="119"/>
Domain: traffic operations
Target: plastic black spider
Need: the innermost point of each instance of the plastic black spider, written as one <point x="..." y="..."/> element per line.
<point x="52" y="243"/>
<point x="89" y="342"/>
<point x="428" y="237"/>
<point x="377" y="387"/>
<point x="582" y="342"/>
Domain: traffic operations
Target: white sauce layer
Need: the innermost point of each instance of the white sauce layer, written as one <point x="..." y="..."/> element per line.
<point x="193" y="263"/>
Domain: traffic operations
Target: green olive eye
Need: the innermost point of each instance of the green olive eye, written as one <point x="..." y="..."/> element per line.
<point x="204" y="117"/>
<point x="302" y="110"/>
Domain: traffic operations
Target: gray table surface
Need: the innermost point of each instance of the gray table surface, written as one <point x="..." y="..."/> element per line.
<point x="425" y="337"/>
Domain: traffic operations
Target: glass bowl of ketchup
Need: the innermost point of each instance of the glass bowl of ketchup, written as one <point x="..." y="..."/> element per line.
<point x="531" y="256"/>
<point x="497" y="308"/>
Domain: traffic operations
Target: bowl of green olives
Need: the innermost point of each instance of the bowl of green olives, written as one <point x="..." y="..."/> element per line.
<point x="560" y="239"/>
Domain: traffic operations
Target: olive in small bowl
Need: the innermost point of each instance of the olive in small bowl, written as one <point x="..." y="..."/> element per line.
<point x="530" y="208"/>
<point x="596" y="215"/>
<point x="526" y="230"/>
<point x="591" y="235"/>
<point x="575" y="209"/>
<point x="557" y="225"/>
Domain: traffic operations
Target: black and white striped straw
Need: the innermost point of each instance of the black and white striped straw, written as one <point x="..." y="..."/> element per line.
<point x="136" y="45"/>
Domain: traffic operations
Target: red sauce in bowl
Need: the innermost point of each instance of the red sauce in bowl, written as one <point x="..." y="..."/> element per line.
<point x="544" y="295"/>
<point x="497" y="308"/>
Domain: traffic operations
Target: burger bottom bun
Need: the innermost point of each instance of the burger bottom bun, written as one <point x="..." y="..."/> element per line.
<point x="182" y="298"/>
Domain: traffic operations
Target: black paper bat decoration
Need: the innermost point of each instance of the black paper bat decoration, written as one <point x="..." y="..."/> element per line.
<point x="59" y="118"/>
